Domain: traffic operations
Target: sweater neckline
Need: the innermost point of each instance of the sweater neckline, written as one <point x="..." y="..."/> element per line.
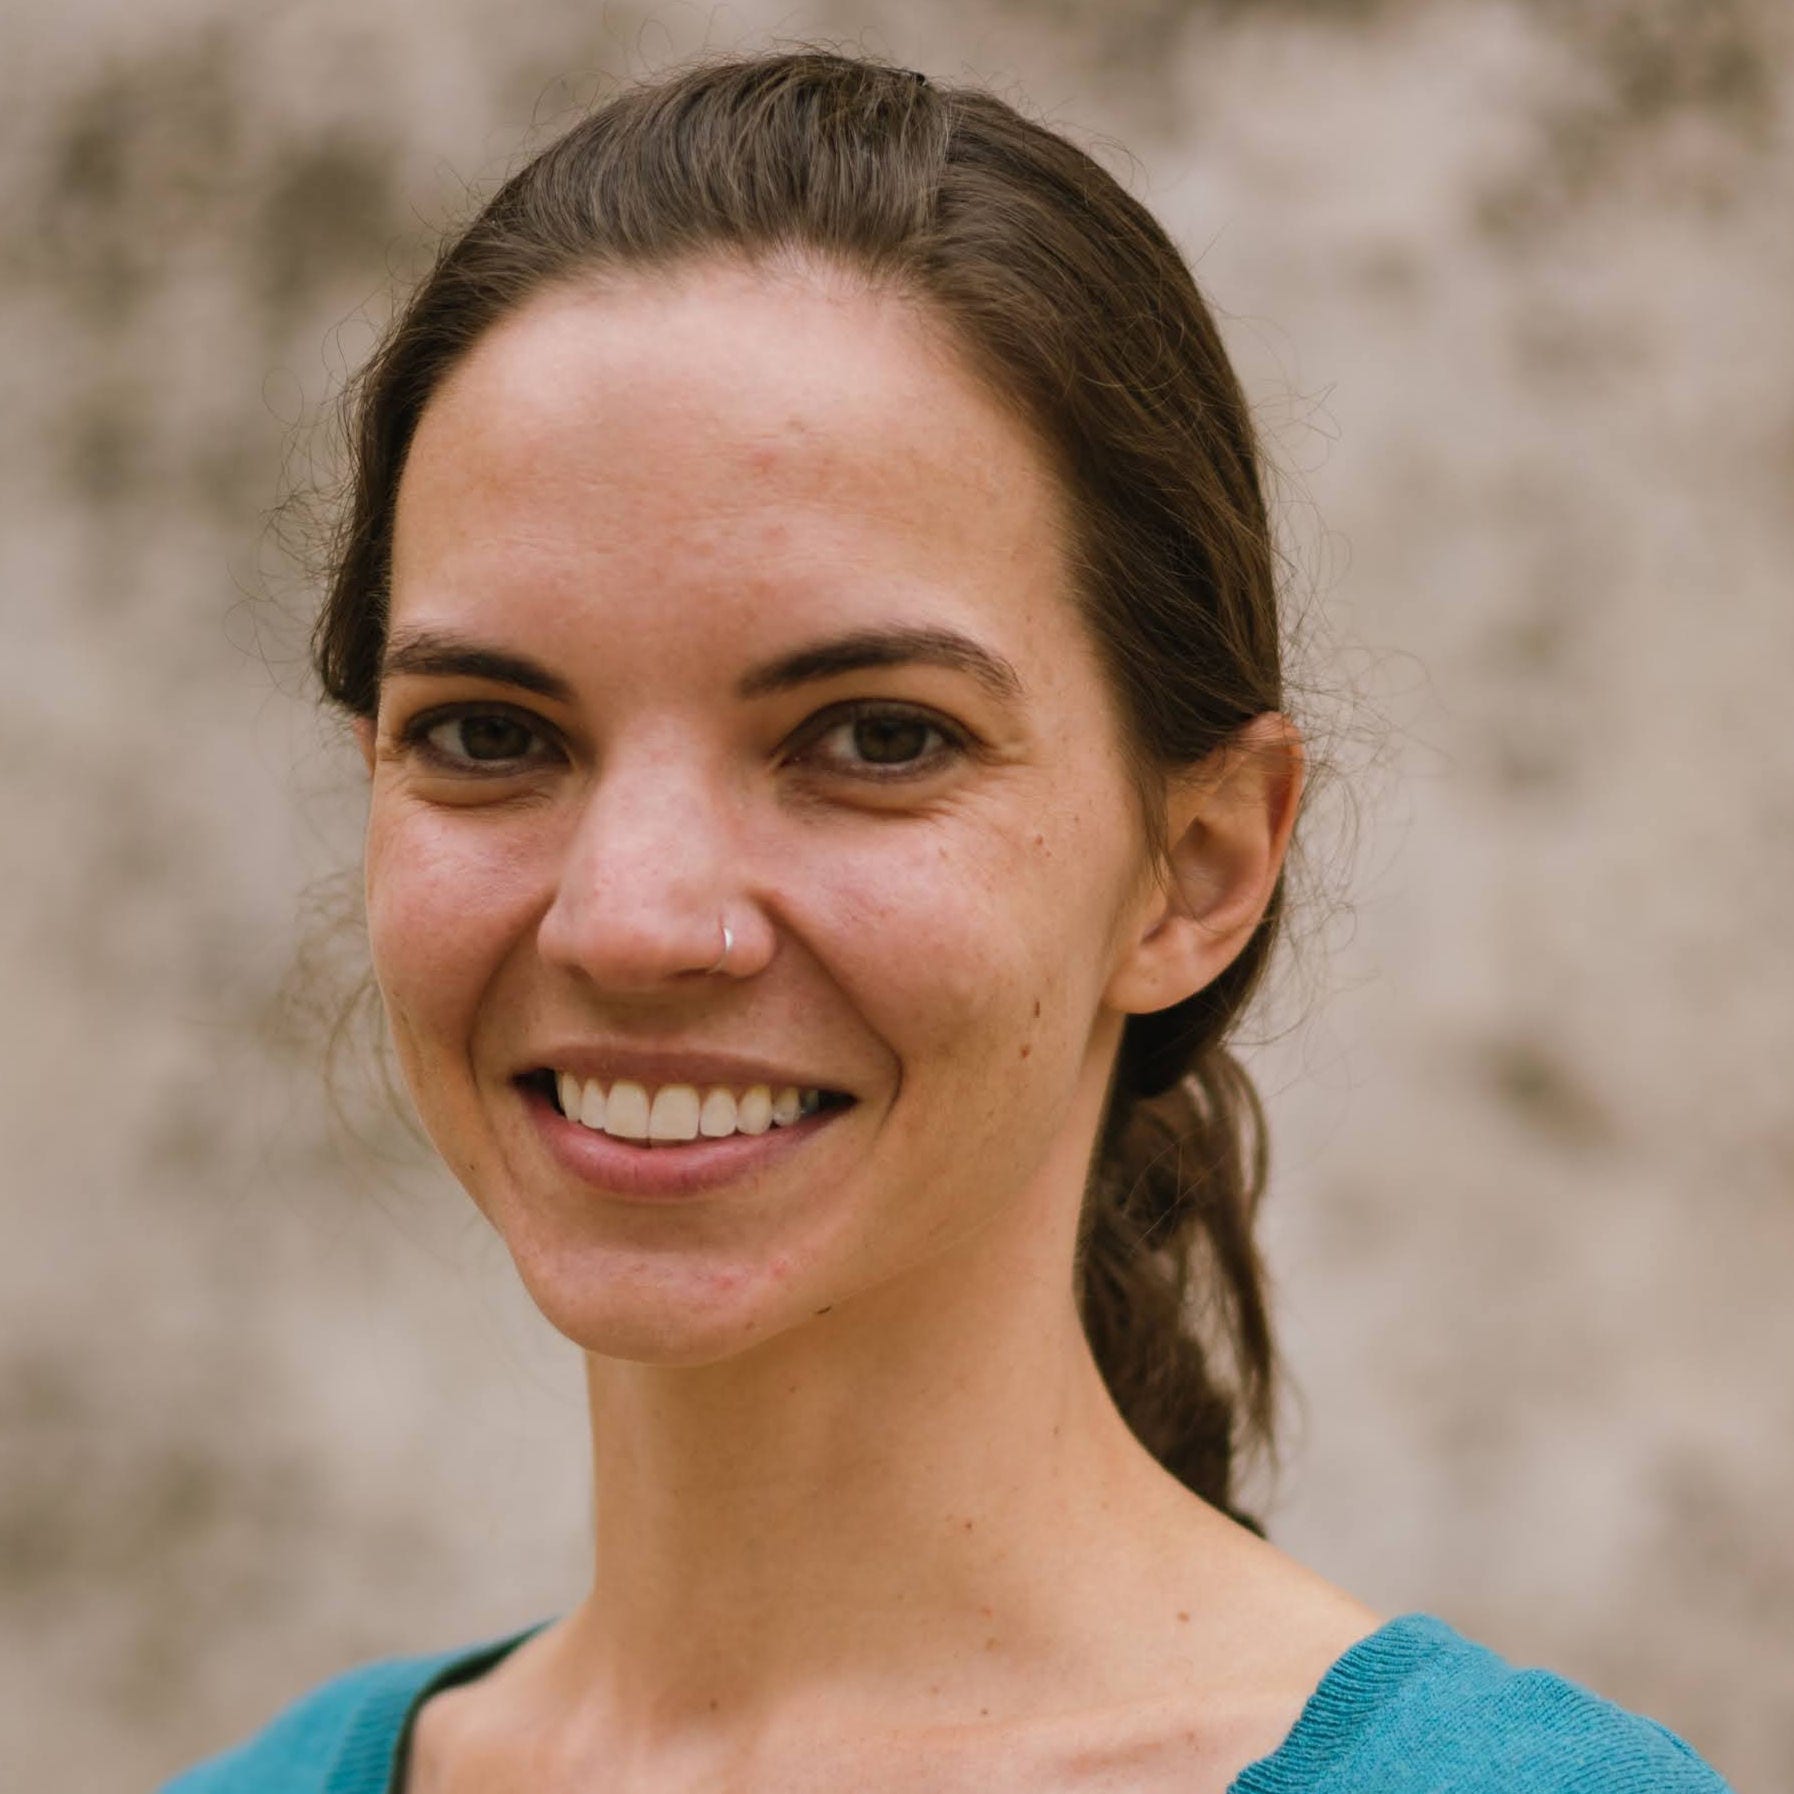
<point x="376" y="1739"/>
<point x="378" y="1732"/>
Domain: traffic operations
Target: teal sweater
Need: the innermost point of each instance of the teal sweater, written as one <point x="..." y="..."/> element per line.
<point x="1415" y="1708"/>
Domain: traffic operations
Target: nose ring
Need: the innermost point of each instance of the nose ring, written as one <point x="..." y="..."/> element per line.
<point x="728" y="942"/>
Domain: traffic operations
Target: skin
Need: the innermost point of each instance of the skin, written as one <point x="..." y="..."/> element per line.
<point x="864" y="1514"/>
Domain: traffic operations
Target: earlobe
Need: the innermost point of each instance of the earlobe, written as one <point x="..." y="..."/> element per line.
<point x="1229" y="823"/>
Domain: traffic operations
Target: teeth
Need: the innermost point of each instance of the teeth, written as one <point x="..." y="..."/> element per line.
<point x="681" y="1111"/>
<point x="717" y="1117"/>
<point x="625" y="1111"/>
<point x="591" y="1105"/>
<point x="753" y="1111"/>
<point x="675" y="1114"/>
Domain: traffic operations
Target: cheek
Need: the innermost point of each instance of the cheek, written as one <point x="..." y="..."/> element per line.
<point x="968" y="951"/>
<point x="445" y="902"/>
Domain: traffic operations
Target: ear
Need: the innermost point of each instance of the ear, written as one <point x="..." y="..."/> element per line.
<point x="1229" y="825"/>
<point x="363" y="729"/>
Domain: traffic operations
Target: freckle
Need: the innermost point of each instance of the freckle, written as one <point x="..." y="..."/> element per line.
<point x="1026" y="1051"/>
<point x="1183" y="1616"/>
<point x="1037" y="1006"/>
<point x="990" y="1644"/>
<point x="968" y="1526"/>
<point x="984" y="1713"/>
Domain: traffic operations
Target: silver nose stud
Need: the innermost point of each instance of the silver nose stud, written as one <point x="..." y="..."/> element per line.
<point x="728" y="942"/>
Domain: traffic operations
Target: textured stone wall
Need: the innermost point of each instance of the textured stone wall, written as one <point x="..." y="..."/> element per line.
<point x="1512" y="284"/>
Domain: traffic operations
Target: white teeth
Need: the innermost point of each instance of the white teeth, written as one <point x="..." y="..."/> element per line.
<point x="591" y="1105"/>
<point x="680" y="1111"/>
<point x="626" y="1111"/>
<point x="717" y="1117"/>
<point x="675" y="1113"/>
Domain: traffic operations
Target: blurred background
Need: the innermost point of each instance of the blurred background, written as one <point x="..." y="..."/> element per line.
<point x="1512" y="284"/>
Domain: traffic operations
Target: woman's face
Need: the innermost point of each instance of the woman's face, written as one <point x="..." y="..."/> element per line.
<point x="735" y="598"/>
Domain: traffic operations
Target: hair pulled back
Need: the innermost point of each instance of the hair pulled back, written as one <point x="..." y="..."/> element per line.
<point x="1077" y="308"/>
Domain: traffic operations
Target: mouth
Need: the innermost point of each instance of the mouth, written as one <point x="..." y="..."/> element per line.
<point x="673" y="1115"/>
<point x="656" y="1154"/>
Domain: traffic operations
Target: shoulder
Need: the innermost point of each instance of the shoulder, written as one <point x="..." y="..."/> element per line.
<point x="1417" y="1707"/>
<point x="341" y="1736"/>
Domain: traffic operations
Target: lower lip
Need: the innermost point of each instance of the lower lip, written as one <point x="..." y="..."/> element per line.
<point x="669" y="1168"/>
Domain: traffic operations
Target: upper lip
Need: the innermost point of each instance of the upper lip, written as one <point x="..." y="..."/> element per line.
<point x="643" y="1065"/>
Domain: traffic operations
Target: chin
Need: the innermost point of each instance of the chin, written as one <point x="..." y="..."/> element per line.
<point x="639" y="1308"/>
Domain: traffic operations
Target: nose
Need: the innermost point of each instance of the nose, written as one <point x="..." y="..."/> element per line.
<point x="645" y="880"/>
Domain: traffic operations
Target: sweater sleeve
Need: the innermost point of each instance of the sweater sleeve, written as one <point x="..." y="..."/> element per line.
<point x="293" y="1753"/>
<point x="342" y="1737"/>
<point x="1417" y="1708"/>
<point x="1534" y="1733"/>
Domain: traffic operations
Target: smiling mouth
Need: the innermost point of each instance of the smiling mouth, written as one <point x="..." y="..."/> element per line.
<point x="676" y="1114"/>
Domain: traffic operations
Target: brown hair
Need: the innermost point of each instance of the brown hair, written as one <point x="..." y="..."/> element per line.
<point x="1075" y="306"/>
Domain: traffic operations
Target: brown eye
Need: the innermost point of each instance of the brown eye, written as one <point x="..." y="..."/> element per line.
<point x="483" y="740"/>
<point x="882" y="742"/>
<point x="483" y="737"/>
<point x="890" y="740"/>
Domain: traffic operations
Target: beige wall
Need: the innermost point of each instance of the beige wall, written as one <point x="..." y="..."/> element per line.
<point x="1513" y="285"/>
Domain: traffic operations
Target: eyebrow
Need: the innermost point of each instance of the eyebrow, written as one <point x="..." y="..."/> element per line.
<point x="429" y="654"/>
<point x="433" y="654"/>
<point x="865" y="648"/>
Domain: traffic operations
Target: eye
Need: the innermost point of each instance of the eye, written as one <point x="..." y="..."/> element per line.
<point x="890" y="742"/>
<point x="481" y="738"/>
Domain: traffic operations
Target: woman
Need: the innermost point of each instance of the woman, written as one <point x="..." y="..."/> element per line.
<point x="807" y="608"/>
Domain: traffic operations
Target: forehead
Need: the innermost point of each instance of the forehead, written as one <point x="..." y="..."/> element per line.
<point x="725" y="428"/>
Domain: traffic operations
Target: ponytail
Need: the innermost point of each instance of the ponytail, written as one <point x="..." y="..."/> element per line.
<point x="1171" y="1286"/>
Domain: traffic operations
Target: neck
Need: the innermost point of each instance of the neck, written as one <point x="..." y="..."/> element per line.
<point x="924" y="1498"/>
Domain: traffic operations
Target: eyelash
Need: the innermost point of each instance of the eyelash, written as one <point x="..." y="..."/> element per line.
<point x="415" y="734"/>
<point x="957" y="742"/>
<point x="414" y="737"/>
